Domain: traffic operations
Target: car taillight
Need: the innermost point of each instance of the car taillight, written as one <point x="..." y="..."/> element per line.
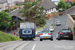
<point x="41" y="34"/>
<point x="70" y="33"/>
<point x="32" y="30"/>
<point x="61" y="32"/>
<point x="49" y="33"/>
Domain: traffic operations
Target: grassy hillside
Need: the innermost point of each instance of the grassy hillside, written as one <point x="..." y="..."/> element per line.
<point x="4" y="37"/>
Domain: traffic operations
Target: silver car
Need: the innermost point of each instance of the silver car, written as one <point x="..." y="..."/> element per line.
<point x="51" y="29"/>
<point x="58" y="23"/>
<point x="46" y="35"/>
<point x="37" y="33"/>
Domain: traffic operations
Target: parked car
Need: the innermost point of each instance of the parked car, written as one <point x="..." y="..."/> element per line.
<point x="51" y="29"/>
<point x="37" y="33"/>
<point x="64" y="34"/>
<point x="58" y="23"/>
<point x="46" y="34"/>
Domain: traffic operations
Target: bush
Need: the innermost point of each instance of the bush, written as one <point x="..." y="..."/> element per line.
<point x="13" y="9"/>
<point x="51" y="24"/>
<point x="60" y="10"/>
<point x="52" y="12"/>
<point x="19" y="4"/>
<point x="7" y="10"/>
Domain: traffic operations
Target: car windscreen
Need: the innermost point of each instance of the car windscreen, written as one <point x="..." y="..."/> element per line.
<point x="66" y="30"/>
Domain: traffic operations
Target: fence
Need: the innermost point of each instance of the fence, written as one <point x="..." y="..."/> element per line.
<point x="11" y="28"/>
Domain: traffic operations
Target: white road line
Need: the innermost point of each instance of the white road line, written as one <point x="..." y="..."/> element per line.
<point x="21" y="47"/>
<point x="33" y="46"/>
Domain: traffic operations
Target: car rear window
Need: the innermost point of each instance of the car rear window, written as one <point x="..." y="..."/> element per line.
<point x="45" y="32"/>
<point x="58" y="22"/>
<point x="66" y="30"/>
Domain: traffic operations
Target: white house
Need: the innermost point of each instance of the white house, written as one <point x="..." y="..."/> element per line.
<point x="11" y="3"/>
<point x="48" y="6"/>
<point x="3" y="5"/>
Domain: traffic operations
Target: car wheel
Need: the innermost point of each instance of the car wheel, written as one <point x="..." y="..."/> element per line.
<point x="40" y="39"/>
<point x="51" y="39"/>
<point x="23" y="39"/>
<point x="59" y="39"/>
<point x="56" y="38"/>
<point x="71" y="39"/>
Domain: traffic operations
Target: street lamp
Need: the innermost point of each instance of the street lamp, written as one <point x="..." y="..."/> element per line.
<point x="55" y="16"/>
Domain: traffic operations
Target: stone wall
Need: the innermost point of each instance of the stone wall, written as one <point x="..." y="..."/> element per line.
<point x="70" y="23"/>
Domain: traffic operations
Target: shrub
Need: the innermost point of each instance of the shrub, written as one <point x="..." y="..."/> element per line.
<point x="7" y="10"/>
<point x="52" y="12"/>
<point x="51" y="24"/>
<point x="69" y="28"/>
<point x="60" y="10"/>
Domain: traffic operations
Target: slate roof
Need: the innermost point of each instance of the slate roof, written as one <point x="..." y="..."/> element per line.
<point x="2" y="1"/>
<point x="48" y="4"/>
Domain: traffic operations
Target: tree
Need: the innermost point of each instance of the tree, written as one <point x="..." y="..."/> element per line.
<point x="4" y="17"/>
<point x="62" y="5"/>
<point x="42" y="22"/>
<point x="73" y="4"/>
<point x="26" y="11"/>
<point x="34" y="13"/>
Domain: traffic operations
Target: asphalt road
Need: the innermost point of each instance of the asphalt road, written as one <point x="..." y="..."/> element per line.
<point x="42" y="45"/>
<point x="45" y="44"/>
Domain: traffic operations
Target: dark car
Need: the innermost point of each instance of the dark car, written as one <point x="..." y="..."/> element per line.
<point x="64" y="34"/>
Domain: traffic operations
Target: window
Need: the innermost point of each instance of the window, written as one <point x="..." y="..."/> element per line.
<point x="0" y="4"/>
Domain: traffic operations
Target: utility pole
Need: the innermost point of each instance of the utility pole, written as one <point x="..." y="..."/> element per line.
<point x="54" y="19"/>
<point x="16" y="25"/>
<point x="5" y="26"/>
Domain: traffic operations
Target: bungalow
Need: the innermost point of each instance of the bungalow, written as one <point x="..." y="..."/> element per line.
<point x="3" y="5"/>
<point x="48" y="6"/>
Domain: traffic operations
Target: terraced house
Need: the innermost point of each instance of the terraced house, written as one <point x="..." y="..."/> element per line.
<point x="3" y="5"/>
<point x="11" y="3"/>
<point x="6" y="4"/>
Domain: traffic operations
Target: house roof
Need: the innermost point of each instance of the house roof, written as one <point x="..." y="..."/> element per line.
<point x="2" y="1"/>
<point x="47" y="4"/>
<point x="69" y="0"/>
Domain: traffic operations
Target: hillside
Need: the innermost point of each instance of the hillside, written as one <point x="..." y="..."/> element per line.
<point x="4" y="37"/>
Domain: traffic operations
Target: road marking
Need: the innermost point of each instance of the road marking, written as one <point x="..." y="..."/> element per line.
<point x="33" y="46"/>
<point x="21" y="47"/>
